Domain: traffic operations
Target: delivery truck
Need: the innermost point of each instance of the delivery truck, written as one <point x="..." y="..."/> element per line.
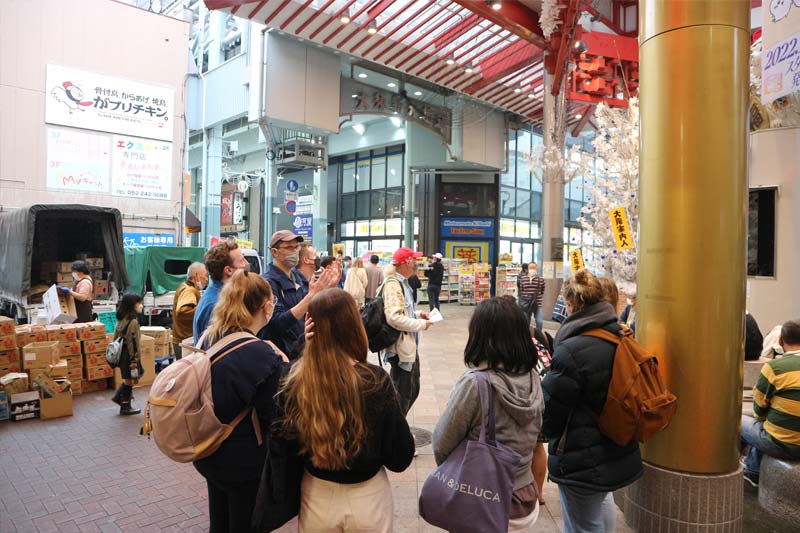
<point x="38" y="245"/>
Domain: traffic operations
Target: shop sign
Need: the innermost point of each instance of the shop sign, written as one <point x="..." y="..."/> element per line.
<point x="245" y="244"/>
<point x="130" y="239"/>
<point x="472" y="251"/>
<point x="358" y="98"/>
<point x="303" y="225"/>
<point x="621" y="228"/>
<point x="466" y="269"/>
<point x="377" y="227"/>
<point x="394" y="226"/>
<point x="505" y="259"/>
<point x="576" y="259"/>
<point x="78" y="161"/>
<point x="780" y="57"/>
<point x="468" y="228"/>
<point x="102" y="103"/>
<point x="231" y="209"/>
<point x="523" y="229"/>
<point x="305" y="205"/>
<point x="141" y="168"/>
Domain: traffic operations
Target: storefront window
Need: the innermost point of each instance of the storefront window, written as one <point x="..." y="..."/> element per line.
<point x="348" y="211"/>
<point x="362" y="205"/>
<point x="378" y="207"/>
<point x="394" y="202"/>
<point x="468" y="200"/>
<point x="349" y="177"/>
<point x="378" y="172"/>
<point x="362" y="172"/>
<point x="394" y="170"/>
<point x="508" y="202"/>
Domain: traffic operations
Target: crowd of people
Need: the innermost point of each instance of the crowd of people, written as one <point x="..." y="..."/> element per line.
<point x="299" y="361"/>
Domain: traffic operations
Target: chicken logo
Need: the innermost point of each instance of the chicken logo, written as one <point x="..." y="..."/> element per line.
<point x="70" y="95"/>
<point x="779" y="9"/>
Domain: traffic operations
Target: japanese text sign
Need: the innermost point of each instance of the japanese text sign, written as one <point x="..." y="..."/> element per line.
<point x="621" y="228"/>
<point x="148" y="239"/>
<point x="95" y="102"/>
<point x="141" y="168"/>
<point x="78" y="160"/>
<point x="303" y="225"/>
<point x="576" y="259"/>
<point x="781" y="69"/>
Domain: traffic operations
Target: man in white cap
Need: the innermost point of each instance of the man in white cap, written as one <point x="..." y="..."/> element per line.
<point x="292" y="292"/>
<point x="435" y="274"/>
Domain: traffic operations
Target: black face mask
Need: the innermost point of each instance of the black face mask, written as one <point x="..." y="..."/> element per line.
<point x="317" y="263"/>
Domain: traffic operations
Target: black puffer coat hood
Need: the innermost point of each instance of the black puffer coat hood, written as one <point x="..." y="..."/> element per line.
<point x="575" y="391"/>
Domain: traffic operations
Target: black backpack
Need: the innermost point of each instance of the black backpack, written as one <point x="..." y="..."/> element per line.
<point x="379" y="333"/>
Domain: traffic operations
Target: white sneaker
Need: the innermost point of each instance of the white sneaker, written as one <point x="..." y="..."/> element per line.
<point x="415" y="452"/>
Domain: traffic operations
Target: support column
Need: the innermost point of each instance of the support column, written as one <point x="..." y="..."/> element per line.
<point x="691" y="279"/>
<point x="408" y="189"/>
<point x="553" y="138"/>
<point x="320" y="210"/>
<point x="270" y="180"/>
<point x="212" y="186"/>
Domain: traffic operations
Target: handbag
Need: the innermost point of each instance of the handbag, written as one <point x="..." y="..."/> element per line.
<point x="114" y="349"/>
<point x="471" y="490"/>
<point x="278" y="497"/>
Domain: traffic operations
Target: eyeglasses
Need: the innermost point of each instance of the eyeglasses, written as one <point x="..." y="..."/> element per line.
<point x="274" y="299"/>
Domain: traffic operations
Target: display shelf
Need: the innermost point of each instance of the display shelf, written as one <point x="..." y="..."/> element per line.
<point x="507" y="280"/>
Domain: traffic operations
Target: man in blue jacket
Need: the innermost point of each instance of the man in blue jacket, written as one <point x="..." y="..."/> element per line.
<point x="292" y="292"/>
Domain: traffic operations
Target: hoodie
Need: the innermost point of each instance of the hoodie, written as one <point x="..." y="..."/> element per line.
<point x="519" y="405"/>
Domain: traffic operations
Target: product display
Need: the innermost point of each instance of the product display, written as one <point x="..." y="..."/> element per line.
<point x="507" y="280"/>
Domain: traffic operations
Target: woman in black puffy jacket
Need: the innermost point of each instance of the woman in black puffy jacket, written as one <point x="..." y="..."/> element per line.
<point x="586" y="465"/>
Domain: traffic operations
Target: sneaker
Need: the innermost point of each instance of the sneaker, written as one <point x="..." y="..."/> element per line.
<point x="751" y="477"/>
<point x="415" y="452"/>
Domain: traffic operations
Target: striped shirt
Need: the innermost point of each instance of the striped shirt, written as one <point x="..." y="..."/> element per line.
<point x="532" y="289"/>
<point x="776" y="401"/>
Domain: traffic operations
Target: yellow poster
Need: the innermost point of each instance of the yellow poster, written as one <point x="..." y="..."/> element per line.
<point x="243" y="243"/>
<point x="482" y="267"/>
<point x="576" y="258"/>
<point x="473" y="252"/>
<point x="465" y="269"/>
<point x="505" y="259"/>
<point x="620" y="228"/>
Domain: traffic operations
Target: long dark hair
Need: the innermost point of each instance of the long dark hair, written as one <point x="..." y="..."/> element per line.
<point x="500" y="336"/>
<point x="127" y="306"/>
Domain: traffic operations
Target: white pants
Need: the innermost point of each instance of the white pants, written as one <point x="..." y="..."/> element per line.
<point x="326" y="506"/>
<point x="522" y="524"/>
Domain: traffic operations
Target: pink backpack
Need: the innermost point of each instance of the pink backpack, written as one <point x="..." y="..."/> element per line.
<point x="180" y="408"/>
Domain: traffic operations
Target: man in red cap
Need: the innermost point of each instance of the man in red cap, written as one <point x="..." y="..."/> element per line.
<point x="293" y="293"/>
<point x="398" y="303"/>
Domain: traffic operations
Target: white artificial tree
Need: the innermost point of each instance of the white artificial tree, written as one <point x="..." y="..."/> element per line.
<point x="613" y="180"/>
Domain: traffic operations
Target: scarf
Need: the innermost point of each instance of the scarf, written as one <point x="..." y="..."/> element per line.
<point x="590" y="317"/>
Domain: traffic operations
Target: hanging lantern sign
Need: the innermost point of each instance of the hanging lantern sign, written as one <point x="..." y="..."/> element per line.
<point x="621" y="228"/>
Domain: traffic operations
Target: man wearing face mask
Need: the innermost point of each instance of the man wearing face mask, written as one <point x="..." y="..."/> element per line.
<point x="293" y="292"/>
<point x="187" y="296"/>
<point x="222" y="260"/>
<point x="83" y="291"/>
<point x="309" y="261"/>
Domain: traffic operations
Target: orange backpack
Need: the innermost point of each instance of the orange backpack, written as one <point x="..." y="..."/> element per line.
<point x="638" y="404"/>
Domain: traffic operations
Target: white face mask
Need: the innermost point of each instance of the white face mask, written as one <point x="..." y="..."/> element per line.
<point x="75" y="276"/>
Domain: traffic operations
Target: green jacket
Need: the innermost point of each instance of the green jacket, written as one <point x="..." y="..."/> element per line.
<point x="131" y="346"/>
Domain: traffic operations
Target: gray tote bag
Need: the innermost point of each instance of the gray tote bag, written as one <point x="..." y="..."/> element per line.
<point x="471" y="490"/>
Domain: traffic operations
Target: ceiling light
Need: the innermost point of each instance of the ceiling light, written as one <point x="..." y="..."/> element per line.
<point x="580" y="47"/>
<point x="345" y="17"/>
<point x="517" y="90"/>
<point x="359" y="128"/>
<point x="372" y="29"/>
<point x="355" y="96"/>
<point x="468" y="70"/>
<point x="362" y="75"/>
<point x="391" y="84"/>
<point x="495" y="4"/>
<point x="450" y="60"/>
<point x="531" y="95"/>
<point x="397" y="121"/>
<point x="417" y="93"/>
<point x="579" y="116"/>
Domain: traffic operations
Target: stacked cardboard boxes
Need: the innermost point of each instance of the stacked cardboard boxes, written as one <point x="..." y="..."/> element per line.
<point x="148" y="357"/>
<point x="9" y="355"/>
<point x="93" y="345"/>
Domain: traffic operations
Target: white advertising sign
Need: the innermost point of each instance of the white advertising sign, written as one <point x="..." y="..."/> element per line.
<point x="78" y="161"/>
<point x="95" y="102"/>
<point x="141" y="168"/>
<point x="780" y="44"/>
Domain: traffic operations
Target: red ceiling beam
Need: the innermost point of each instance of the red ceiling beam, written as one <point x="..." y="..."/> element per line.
<point x="294" y="15"/>
<point x="514" y="17"/>
<point x="253" y="11"/>
<point x="383" y="39"/>
<point x="314" y="15"/>
<point x="508" y="60"/>
<point x="611" y="46"/>
<point x="587" y="114"/>
<point x="414" y="28"/>
<point x="274" y="13"/>
<point x="357" y="14"/>
<point x="429" y="32"/>
<point x="372" y="15"/>
<point x="333" y="17"/>
<point x="461" y="62"/>
<point x="565" y="39"/>
<point x="456" y="31"/>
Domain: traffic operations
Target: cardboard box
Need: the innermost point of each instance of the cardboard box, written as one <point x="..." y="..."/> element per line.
<point x="60" y="370"/>
<point x="159" y="334"/>
<point x="69" y="349"/>
<point x="8" y="342"/>
<point x="63" y="277"/>
<point x="62" y="333"/>
<point x="14" y="383"/>
<point x="77" y="386"/>
<point x="9" y="358"/>
<point x="26" y="336"/>
<point x="74" y="373"/>
<point x="92" y="330"/>
<point x="34" y="373"/>
<point x="101" y="287"/>
<point x="10" y="368"/>
<point x="7" y="326"/>
<point x="57" y="406"/>
<point x="73" y="361"/>
<point x="3" y="405"/>
<point x="60" y="307"/>
<point x="148" y="346"/>
<point x="47" y="386"/>
<point x="23" y="406"/>
<point x="92" y="263"/>
<point x="95" y="345"/>
<point x="40" y="355"/>
<point x="94" y="359"/>
<point x="162" y="350"/>
<point x="93" y="373"/>
<point x="93" y="386"/>
<point x="63" y="266"/>
<point x="149" y="367"/>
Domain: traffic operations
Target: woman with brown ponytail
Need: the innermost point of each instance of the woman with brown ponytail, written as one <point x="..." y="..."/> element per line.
<point x="345" y="417"/>
<point x="246" y="377"/>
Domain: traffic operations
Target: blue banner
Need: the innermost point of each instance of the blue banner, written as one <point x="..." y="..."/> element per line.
<point x="468" y="228"/>
<point x="148" y="239"/>
<point x="303" y="225"/>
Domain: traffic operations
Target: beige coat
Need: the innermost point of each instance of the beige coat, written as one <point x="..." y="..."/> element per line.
<point x="356" y="284"/>
<point x="394" y="306"/>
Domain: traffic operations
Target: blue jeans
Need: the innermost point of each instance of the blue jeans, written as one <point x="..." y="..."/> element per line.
<point x="760" y="442"/>
<point x="433" y="296"/>
<point x="586" y="511"/>
<point x="537" y="315"/>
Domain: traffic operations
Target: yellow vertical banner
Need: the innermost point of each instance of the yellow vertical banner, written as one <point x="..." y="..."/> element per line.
<point x="576" y="258"/>
<point x="621" y="228"/>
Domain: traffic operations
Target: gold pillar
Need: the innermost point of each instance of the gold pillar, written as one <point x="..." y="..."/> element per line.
<point x="694" y="74"/>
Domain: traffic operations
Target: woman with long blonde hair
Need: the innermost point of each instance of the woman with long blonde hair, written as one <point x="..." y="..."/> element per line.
<point x="344" y="415"/>
<point x="245" y="373"/>
<point x="356" y="282"/>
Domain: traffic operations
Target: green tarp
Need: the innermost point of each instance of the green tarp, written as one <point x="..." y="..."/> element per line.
<point x="166" y="266"/>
